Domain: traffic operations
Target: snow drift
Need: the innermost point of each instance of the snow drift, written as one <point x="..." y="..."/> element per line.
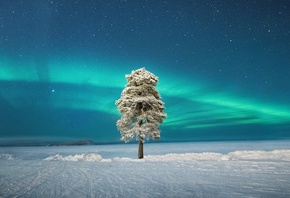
<point x="278" y="155"/>
<point x="74" y="158"/>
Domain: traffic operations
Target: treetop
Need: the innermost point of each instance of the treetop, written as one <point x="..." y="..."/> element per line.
<point x="140" y="77"/>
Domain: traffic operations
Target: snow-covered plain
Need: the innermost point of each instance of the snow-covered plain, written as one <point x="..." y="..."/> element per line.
<point x="203" y="169"/>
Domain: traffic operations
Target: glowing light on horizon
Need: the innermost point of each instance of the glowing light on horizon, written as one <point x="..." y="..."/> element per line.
<point x="190" y="104"/>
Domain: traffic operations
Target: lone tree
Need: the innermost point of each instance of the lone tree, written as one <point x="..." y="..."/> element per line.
<point x="142" y="108"/>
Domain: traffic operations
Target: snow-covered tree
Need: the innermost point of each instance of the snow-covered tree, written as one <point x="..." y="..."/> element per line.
<point x="141" y="108"/>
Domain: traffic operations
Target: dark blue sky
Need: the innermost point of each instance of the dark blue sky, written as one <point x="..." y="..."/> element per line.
<point x="223" y="67"/>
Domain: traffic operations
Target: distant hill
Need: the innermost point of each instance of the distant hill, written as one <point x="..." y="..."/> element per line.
<point x="15" y="142"/>
<point x="73" y="143"/>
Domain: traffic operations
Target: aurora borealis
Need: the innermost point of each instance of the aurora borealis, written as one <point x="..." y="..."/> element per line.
<point x="223" y="67"/>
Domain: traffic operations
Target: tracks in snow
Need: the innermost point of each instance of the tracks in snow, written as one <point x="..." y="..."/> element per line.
<point x="34" y="178"/>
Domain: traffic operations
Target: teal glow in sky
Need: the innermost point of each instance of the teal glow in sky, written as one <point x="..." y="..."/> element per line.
<point x="222" y="75"/>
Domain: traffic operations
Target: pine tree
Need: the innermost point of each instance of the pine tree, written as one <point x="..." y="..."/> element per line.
<point x="141" y="108"/>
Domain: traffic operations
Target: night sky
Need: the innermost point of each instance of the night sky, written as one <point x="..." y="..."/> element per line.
<point x="223" y="67"/>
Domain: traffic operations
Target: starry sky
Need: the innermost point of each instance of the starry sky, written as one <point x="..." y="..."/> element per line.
<point x="223" y="67"/>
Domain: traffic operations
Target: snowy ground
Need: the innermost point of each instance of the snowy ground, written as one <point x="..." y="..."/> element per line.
<point x="204" y="169"/>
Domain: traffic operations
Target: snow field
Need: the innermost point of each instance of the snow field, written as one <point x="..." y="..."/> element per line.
<point x="113" y="171"/>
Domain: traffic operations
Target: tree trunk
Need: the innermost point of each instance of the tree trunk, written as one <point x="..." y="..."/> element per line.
<point x="140" y="150"/>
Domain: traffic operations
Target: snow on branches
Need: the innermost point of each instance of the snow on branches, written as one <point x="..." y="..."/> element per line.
<point x="141" y="107"/>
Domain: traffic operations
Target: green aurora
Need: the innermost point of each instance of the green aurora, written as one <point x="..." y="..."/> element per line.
<point x="189" y="104"/>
